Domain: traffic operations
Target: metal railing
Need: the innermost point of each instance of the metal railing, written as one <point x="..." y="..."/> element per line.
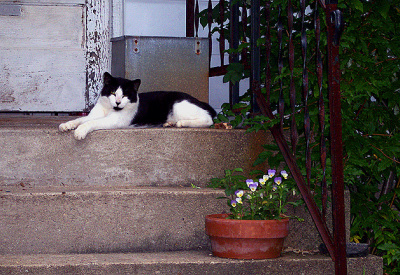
<point x="295" y="24"/>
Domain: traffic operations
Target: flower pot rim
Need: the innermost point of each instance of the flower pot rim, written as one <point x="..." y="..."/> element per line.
<point x="223" y="216"/>
<point x="218" y="225"/>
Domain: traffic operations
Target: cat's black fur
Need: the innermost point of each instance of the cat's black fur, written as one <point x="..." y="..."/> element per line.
<point x="155" y="107"/>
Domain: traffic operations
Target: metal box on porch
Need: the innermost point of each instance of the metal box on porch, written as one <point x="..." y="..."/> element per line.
<point x="163" y="63"/>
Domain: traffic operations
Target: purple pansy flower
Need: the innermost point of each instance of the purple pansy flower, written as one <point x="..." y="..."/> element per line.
<point x="271" y="173"/>
<point x="239" y="193"/>
<point x="253" y="187"/>
<point x="284" y="174"/>
<point x="263" y="180"/>
<point x="248" y="182"/>
<point x="233" y="203"/>
<point x="278" y="180"/>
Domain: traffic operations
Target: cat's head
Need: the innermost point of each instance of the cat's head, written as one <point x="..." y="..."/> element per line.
<point x="120" y="91"/>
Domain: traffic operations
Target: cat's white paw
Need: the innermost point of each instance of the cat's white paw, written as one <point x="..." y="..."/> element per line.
<point x="81" y="132"/>
<point x="63" y="127"/>
<point x="180" y="124"/>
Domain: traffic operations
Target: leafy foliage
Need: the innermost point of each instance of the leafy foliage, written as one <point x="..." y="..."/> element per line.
<point x="370" y="84"/>
<point x="262" y="199"/>
<point x="371" y="132"/>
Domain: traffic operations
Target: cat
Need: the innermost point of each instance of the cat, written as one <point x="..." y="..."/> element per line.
<point x="120" y="106"/>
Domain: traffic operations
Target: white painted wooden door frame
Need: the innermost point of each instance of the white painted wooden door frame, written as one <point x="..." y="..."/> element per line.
<point x="98" y="45"/>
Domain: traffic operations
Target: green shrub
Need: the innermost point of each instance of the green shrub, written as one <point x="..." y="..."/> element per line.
<point x="370" y="84"/>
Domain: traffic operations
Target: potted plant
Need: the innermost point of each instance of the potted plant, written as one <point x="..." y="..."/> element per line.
<point x="256" y="226"/>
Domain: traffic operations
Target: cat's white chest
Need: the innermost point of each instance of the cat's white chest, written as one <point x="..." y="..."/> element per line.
<point x="103" y="107"/>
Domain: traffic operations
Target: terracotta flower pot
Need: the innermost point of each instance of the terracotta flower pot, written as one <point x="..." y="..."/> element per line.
<point x="246" y="239"/>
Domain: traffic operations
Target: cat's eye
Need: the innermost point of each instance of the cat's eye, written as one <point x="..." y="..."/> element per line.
<point x="113" y="92"/>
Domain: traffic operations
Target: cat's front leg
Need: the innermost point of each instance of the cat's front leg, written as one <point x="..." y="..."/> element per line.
<point x="70" y="125"/>
<point x="82" y="131"/>
<point x="101" y="109"/>
<point x="112" y="121"/>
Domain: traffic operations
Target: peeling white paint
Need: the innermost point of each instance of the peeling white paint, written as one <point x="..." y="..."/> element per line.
<point x="98" y="52"/>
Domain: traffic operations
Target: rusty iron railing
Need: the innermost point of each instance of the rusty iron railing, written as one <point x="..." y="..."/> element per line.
<point x="262" y="101"/>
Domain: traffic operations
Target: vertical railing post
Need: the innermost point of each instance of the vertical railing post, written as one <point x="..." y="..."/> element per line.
<point x="221" y="33"/>
<point x="255" y="58"/>
<point x="321" y="109"/>
<point x="305" y="91"/>
<point x="189" y="18"/>
<point x="209" y="23"/>
<point x="234" y="44"/>
<point x="294" y="136"/>
<point x="335" y="25"/>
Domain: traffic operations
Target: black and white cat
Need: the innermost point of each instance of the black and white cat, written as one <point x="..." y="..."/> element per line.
<point x="120" y="106"/>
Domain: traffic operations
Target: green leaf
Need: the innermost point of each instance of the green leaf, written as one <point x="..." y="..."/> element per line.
<point x="222" y="118"/>
<point x="358" y="5"/>
<point x="194" y="186"/>
<point x="388" y="246"/>
<point x="234" y="73"/>
<point x="383" y="7"/>
<point x="240" y="170"/>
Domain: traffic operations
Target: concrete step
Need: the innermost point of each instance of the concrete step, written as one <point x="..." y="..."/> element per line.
<point x="104" y="220"/>
<point x="34" y="152"/>
<point x="179" y="262"/>
<point x="39" y="220"/>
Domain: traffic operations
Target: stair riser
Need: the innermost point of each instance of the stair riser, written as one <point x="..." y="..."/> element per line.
<point x="105" y="222"/>
<point x="125" y="220"/>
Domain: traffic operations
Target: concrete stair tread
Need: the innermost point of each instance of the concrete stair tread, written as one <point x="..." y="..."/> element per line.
<point x="23" y="189"/>
<point x="7" y="120"/>
<point x="36" y="153"/>
<point x="177" y="262"/>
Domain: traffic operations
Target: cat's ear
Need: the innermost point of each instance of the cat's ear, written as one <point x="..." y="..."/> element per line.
<point x="107" y="78"/>
<point x="135" y="84"/>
